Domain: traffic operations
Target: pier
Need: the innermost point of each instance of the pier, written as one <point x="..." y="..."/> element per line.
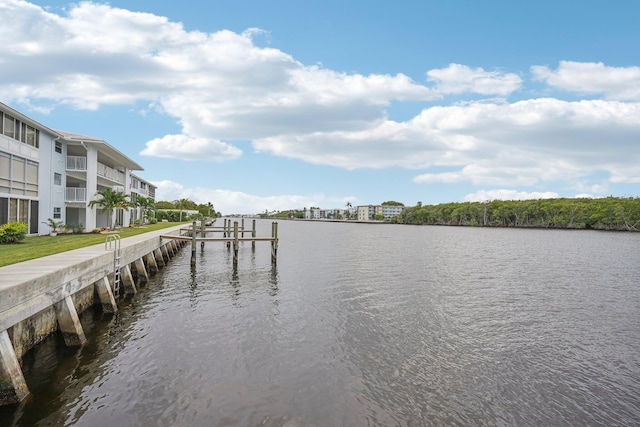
<point x="198" y="233"/>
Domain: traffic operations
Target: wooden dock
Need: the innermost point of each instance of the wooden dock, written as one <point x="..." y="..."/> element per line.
<point x="230" y="235"/>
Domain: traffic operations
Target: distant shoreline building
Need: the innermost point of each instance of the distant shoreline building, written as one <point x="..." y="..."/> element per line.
<point x="369" y="212"/>
<point x="46" y="173"/>
<point x="364" y="212"/>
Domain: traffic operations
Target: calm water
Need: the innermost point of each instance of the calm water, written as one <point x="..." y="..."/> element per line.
<point x="363" y="325"/>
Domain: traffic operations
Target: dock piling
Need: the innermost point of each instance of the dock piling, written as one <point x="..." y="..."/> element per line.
<point x="235" y="243"/>
<point x="202" y="232"/>
<point x="193" y="244"/>
<point x="274" y="242"/>
<point x="253" y="234"/>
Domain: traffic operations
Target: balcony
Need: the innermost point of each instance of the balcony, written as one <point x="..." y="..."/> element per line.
<point x="140" y="191"/>
<point x="76" y="163"/>
<point x="110" y="173"/>
<point x="75" y="194"/>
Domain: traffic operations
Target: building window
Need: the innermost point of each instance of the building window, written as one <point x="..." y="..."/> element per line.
<point x="57" y="213"/>
<point x="9" y="126"/>
<point x="58" y="147"/>
<point x="57" y="179"/>
<point x="18" y="130"/>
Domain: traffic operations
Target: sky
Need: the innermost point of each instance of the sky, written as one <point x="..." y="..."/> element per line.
<point x="284" y="104"/>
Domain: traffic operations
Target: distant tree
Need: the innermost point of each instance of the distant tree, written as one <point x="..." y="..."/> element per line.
<point x="392" y="203"/>
<point x="163" y="204"/>
<point x="184" y="204"/>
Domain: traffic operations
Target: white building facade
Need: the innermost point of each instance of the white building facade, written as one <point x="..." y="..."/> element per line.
<point x="46" y="173"/>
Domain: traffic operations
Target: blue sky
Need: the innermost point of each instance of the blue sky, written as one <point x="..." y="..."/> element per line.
<point x="256" y="105"/>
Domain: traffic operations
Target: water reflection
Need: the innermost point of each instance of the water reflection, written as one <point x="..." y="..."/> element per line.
<point x="438" y="326"/>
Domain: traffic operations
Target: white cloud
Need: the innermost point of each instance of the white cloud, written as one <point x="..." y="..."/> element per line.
<point x="618" y="83"/>
<point x="222" y="87"/>
<point x="487" y="195"/>
<point x="186" y="148"/>
<point x="230" y="202"/>
<point x="518" y="144"/>
<point x="218" y="85"/>
<point x="457" y="78"/>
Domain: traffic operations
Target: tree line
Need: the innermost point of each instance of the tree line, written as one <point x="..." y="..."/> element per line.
<point x="610" y="213"/>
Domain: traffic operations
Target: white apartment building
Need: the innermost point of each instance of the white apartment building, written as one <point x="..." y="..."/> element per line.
<point x="368" y="212"/>
<point x="46" y="173"/>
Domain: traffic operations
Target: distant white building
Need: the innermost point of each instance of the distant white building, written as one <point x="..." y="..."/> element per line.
<point x="368" y="212"/>
<point x="317" y="213"/>
<point x="45" y="173"/>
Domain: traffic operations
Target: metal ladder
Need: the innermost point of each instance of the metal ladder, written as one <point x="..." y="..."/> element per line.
<point x="112" y="243"/>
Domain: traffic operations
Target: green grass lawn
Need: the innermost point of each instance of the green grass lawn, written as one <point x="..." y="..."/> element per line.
<point x="39" y="246"/>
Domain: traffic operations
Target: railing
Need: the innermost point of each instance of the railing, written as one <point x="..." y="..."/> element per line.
<point x="76" y="163"/>
<point x="110" y="173"/>
<point x="76" y="194"/>
<point x="140" y="191"/>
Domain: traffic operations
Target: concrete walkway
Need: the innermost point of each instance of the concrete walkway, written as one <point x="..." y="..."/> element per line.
<point x="43" y="277"/>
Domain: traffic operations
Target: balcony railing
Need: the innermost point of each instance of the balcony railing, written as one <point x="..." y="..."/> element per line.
<point x="140" y="191"/>
<point x="76" y="194"/>
<point x="76" y="163"/>
<point x="110" y="173"/>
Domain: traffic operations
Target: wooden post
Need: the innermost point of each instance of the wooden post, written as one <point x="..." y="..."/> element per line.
<point x="235" y="243"/>
<point x="253" y="234"/>
<point x="224" y="228"/>
<point x="193" y="244"/>
<point x="242" y="227"/>
<point x="274" y="242"/>
<point x="202" y="233"/>
<point x="228" y="233"/>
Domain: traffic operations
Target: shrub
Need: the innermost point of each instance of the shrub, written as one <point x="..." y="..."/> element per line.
<point x="13" y="232"/>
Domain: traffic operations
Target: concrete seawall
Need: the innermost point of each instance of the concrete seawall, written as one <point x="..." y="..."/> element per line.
<point x="45" y="295"/>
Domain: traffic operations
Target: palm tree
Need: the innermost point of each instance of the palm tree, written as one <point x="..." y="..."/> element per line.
<point x="143" y="203"/>
<point x="109" y="201"/>
<point x="348" y="206"/>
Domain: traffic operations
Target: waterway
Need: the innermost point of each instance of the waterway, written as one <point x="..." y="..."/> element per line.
<point x="362" y="325"/>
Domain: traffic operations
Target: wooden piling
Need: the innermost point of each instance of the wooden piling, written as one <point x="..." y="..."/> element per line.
<point x="235" y="243"/>
<point x="193" y="244"/>
<point x="274" y="242"/>
<point x="253" y="234"/>
<point x="202" y="232"/>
